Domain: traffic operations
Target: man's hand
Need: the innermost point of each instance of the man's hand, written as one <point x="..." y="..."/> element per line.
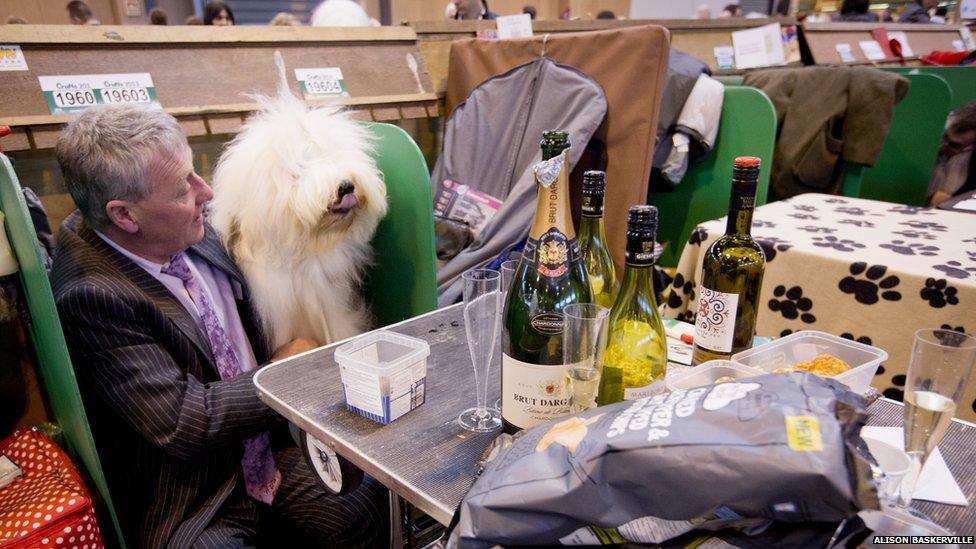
<point x="293" y="347"/>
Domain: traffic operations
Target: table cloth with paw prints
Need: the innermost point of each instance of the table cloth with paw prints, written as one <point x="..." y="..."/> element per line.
<point x="870" y="271"/>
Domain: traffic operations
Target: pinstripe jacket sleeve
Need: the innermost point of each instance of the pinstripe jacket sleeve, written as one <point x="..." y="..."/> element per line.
<point x="142" y="383"/>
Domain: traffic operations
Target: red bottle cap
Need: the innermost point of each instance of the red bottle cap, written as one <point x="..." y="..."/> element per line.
<point x="747" y="162"/>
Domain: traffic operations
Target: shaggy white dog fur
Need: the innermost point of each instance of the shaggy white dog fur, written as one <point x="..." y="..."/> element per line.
<point x="297" y="198"/>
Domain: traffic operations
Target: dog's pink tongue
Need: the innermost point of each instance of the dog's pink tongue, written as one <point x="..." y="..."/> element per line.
<point x="348" y="201"/>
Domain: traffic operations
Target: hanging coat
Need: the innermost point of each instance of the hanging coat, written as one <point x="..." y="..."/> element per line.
<point x="491" y="142"/>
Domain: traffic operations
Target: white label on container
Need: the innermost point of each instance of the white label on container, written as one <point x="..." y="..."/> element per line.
<point x="872" y="50"/>
<point x="715" y="320"/>
<point x="12" y="58"/>
<point x="651" y="389"/>
<point x="533" y="394"/>
<point x="845" y="53"/>
<point x="363" y="390"/>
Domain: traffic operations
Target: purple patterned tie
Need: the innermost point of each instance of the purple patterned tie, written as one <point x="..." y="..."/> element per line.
<point x="260" y="475"/>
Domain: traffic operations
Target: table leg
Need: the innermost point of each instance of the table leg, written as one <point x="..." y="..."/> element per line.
<point x="396" y="522"/>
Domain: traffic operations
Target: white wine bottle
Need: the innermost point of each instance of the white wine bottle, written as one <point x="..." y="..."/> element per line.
<point x="732" y="273"/>
<point x="637" y="349"/>
<point x="550" y="276"/>
<point x="593" y="241"/>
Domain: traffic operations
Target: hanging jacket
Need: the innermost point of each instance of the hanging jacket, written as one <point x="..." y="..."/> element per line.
<point x="695" y="129"/>
<point x="826" y="115"/>
<point x="491" y="142"/>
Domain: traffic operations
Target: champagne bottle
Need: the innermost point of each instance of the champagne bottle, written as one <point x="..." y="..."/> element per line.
<point x="637" y="349"/>
<point x="550" y="276"/>
<point x="732" y="272"/>
<point x="596" y="257"/>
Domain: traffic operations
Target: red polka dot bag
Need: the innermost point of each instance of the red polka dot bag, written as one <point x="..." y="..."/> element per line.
<point x="48" y="506"/>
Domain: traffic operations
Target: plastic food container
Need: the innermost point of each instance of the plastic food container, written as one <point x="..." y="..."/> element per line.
<point x="806" y="345"/>
<point x="384" y="374"/>
<point x="709" y="372"/>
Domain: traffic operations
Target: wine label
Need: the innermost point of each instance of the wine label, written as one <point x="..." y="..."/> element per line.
<point x="592" y="206"/>
<point x="743" y="196"/>
<point x="533" y="394"/>
<point x="548" y="323"/>
<point x="640" y="252"/>
<point x="715" y="320"/>
<point x="651" y="389"/>
<point x="554" y="252"/>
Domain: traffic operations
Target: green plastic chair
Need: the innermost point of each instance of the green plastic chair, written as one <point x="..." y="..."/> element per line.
<point x="747" y="128"/>
<point x="53" y="363"/>
<point x="961" y="81"/>
<point x="402" y="283"/>
<point x="904" y="167"/>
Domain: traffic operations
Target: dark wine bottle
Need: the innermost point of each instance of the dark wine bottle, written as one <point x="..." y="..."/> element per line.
<point x="732" y="272"/>
<point x="550" y="276"/>
<point x="593" y="241"/>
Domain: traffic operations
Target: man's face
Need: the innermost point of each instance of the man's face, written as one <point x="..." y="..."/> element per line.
<point x="170" y="219"/>
<point x="468" y="9"/>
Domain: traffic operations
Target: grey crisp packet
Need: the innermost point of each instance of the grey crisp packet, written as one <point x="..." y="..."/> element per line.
<point x="746" y="454"/>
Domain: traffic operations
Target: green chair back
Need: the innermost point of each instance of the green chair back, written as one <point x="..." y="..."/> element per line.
<point x="53" y="363"/>
<point x="747" y="128"/>
<point x="904" y="167"/>
<point x="402" y="283"/>
<point x="961" y="81"/>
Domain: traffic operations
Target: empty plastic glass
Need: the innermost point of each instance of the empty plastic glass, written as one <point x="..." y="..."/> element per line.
<point x="482" y="313"/>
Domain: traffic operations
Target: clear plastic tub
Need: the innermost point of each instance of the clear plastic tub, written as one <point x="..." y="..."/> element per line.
<point x="384" y="374"/>
<point x="710" y="372"/>
<point x="806" y="345"/>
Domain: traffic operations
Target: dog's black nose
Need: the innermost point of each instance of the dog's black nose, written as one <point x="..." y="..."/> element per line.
<point x="345" y="188"/>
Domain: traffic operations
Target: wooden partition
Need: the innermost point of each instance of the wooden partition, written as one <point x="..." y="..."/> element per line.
<point x="695" y="37"/>
<point x="820" y="40"/>
<point x="202" y="74"/>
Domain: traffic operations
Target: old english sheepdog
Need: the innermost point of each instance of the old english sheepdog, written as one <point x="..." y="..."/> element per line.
<point x="297" y="198"/>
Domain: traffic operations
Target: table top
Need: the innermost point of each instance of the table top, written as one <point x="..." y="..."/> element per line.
<point x="429" y="460"/>
<point x="870" y="271"/>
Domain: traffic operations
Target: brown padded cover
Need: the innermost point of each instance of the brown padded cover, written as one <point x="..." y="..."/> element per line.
<point x="629" y="63"/>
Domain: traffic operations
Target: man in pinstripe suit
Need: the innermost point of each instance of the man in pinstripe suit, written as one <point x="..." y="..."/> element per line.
<point x="160" y="329"/>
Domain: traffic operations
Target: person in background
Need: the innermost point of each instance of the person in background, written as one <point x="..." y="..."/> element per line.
<point x="917" y="12"/>
<point x="703" y="12"/>
<point x="606" y="14"/>
<point x="529" y="10"/>
<point x="285" y="19"/>
<point x="218" y="14"/>
<point x="955" y="167"/>
<point x="193" y="20"/>
<point x="80" y="14"/>
<point x="158" y="17"/>
<point x="473" y="10"/>
<point x="856" y="11"/>
<point x="887" y="16"/>
<point x="15" y="20"/>
<point x="730" y="11"/>
<point x="159" y="323"/>
<point x="938" y="15"/>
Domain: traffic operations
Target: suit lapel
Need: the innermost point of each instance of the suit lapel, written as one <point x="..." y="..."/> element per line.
<point x="153" y="289"/>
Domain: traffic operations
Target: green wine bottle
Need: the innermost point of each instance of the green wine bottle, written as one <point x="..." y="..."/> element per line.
<point x="550" y="276"/>
<point x="596" y="257"/>
<point x="637" y="348"/>
<point x="732" y="272"/>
